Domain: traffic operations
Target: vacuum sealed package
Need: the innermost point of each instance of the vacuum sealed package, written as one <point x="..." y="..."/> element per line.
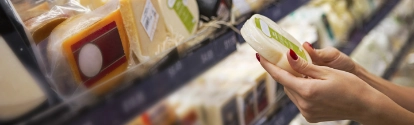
<point x="272" y="42"/>
<point x="145" y="27"/>
<point x="181" y="16"/>
<point x="88" y="50"/>
<point x="41" y="26"/>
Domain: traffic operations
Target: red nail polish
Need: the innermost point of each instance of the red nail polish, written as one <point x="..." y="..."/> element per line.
<point x="310" y="45"/>
<point x="258" y="57"/>
<point x="293" y="54"/>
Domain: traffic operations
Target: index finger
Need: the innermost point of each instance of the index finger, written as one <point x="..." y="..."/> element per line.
<point x="283" y="77"/>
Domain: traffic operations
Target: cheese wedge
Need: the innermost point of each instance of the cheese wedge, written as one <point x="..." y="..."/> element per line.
<point x="272" y="42"/>
<point x="182" y="15"/>
<point x="19" y="92"/>
<point x="145" y="27"/>
<point x="90" y="49"/>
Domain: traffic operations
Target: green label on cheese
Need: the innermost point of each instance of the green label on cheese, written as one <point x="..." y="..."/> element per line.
<point x="278" y="37"/>
<point x="183" y="13"/>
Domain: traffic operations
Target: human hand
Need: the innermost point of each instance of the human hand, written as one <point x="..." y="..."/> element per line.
<point x="331" y="57"/>
<point x="329" y="94"/>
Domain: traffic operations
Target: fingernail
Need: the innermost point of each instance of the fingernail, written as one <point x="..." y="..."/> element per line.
<point x="293" y="54"/>
<point x="310" y="45"/>
<point x="258" y="57"/>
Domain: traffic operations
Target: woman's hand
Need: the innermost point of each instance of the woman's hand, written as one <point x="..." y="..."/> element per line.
<point x="330" y="95"/>
<point x="331" y="57"/>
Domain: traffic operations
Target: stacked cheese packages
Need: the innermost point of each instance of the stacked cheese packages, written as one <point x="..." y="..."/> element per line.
<point x="87" y="45"/>
<point x="329" y="22"/>
<point x="237" y="91"/>
<point x="384" y="42"/>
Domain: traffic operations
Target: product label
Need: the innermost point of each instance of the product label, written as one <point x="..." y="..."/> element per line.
<point x="149" y="19"/>
<point x="278" y="37"/>
<point x="180" y="7"/>
<point x="262" y="100"/>
<point x="98" y="54"/>
<point x="248" y="109"/>
<point x="229" y="113"/>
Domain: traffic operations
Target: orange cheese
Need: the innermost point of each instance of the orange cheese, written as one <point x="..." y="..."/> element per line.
<point x="147" y="35"/>
<point x="69" y="48"/>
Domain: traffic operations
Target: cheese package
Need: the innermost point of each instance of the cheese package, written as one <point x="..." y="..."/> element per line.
<point x="221" y="109"/>
<point x="246" y="101"/>
<point x="182" y="15"/>
<point x="145" y="27"/>
<point x="41" y="26"/>
<point x="89" y="49"/>
<point x="272" y="42"/>
<point x="19" y="91"/>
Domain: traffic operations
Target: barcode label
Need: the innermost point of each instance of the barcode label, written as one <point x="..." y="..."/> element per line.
<point x="149" y="19"/>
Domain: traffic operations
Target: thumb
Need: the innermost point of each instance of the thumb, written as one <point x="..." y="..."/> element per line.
<point x="323" y="56"/>
<point x="303" y="67"/>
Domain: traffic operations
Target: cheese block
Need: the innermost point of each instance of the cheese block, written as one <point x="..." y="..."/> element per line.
<point x="19" y="92"/>
<point x="246" y="101"/>
<point x="145" y="26"/>
<point x="42" y="31"/>
<point x="221" y="109"/>
<point x="182" y="15"/>
<point x="272" y="42"/>
<point x="90" y="49"/>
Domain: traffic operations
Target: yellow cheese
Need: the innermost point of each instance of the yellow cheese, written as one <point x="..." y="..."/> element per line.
<point x="19" y="92"/>
<point x="146" y="29"/>
<point x="90" y="49"/>
<point x="182" y="15"/>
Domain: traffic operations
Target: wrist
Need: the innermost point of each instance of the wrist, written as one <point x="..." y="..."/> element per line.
<point x="371" y="103"/>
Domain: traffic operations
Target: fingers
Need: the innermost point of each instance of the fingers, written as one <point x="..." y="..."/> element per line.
<point x="322" y="56"/>
<point x="304" y="67"/>
<point x="283" y="77"/>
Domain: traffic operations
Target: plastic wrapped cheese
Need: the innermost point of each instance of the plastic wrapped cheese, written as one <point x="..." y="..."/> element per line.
<point x="87" y="50"/>
<point x="19" y="91"/>
<point x="182" y="16"/>
<point x="41" y="26"/>
<point x="145" y="27"/>
<point x="272" y="42"/>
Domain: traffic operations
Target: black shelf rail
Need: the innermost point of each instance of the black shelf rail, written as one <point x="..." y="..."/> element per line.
<point x="289" y="111"/>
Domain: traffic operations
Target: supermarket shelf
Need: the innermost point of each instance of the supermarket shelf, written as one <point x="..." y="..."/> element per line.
<point x="286" y="114"/>
<point x="168" y="77"/>
<point x="359" y="33"/>
<point x="147" y="92"/>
